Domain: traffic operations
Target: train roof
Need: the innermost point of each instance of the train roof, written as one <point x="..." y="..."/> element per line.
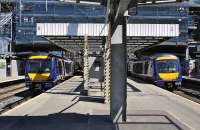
<point x="37" y="57"/>
<point x="45" y="56"/>
<point x="164" y="57"/>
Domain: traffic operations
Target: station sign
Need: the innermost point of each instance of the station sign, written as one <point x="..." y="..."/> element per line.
<point x="101" y="29"/>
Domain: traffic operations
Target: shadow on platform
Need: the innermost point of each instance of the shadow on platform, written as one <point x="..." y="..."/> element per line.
<point x="133" y="87"/>
<point x="139" y="80"/>
<point x="61" y="121"/>
<point x="76" y="121"/>
<point x="75" y="91"/>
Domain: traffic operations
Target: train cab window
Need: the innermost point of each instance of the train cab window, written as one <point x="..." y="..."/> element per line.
<point x="40" y="66"/>
<point x="167" y="66"/>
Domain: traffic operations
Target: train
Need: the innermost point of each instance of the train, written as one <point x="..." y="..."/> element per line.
<point x="45" y="71"/>
<point x="164" y="70"/>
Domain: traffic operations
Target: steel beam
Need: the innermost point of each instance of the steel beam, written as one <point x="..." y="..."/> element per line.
<point x="122" y="6"/>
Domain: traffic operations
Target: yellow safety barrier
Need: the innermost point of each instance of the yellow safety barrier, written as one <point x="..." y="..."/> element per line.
<point x="107" y="70"/>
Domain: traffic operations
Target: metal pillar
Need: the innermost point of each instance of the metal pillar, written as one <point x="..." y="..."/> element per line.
<point x="118" y="72"/>
<point x="11" y="35"/>
<point x="46" y="5"/>
<point x="20" y="12"/>
<point x="187" y="53"/>
<point x="62" y="55"/>
<point x="86" y="67"/>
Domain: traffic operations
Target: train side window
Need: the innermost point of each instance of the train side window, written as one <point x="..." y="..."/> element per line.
<point x="138" y="68"/>
<point x="67" y="67"/>
<point x="59" y="67"/>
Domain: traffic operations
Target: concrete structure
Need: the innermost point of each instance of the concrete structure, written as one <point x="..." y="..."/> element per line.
<point x="4" y="46"/>
<point x="118" y="72"/>
<point x="58" y="22"/>
<point x="11" y="68"/>
<point x="12" y="79"/>
<point x="95" y="69"/>
<point x="3" y="68"/>
<point x="62" y="107"/>
<point x="15" y="67"/>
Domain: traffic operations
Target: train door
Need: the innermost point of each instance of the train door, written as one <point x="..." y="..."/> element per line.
<point x="72" y="68"/>
<point x="154" y="77"/>
<point x="67" y="68"/>
<point x="150" y="69"/>
<point x="59" y="68"/>
<point x="146" y="63"/>
<point x="64" y="69"/>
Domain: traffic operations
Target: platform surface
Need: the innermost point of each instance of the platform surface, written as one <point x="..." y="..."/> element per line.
<point x="154" y="99"/>
<point x="191" y="78"/>
<point x="11" y="78"/>
<point x="62" y="107"/>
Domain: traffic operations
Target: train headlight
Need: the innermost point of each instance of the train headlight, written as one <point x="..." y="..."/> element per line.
<point x="178" y="83"/>
<point x="26" y="78"/>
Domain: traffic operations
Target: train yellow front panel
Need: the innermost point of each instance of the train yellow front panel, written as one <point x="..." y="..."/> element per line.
<point x="38" y="57"/>
<point x="39" y="77"/>
<point x="168" y="76"/>
<point x="167" y="58"/>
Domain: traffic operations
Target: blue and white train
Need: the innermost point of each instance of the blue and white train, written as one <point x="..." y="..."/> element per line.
<point x="45" y="71"/>
<point x="163" y="69"/>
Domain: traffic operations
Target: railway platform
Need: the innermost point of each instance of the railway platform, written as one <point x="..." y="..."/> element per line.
<point x="186" y="78"/>
<point x="63" y="107"/>
<point x="12" y="79"/>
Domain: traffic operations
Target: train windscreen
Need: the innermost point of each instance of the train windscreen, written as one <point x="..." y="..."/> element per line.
<point x="167" y="66"/>
<point x="40" y="66"/>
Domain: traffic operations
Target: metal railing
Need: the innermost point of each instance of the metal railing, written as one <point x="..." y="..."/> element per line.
<point x="5" y="18"/>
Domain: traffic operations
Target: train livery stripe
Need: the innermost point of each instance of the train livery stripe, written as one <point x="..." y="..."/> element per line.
<point x="38" y="57"/>
<point x="38" y="77"/>
<point x="167" y="58"/>
<point x="169" y="76"/>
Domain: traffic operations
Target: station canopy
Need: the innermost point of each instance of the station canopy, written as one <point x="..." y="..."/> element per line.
<point x="69" y="33"/>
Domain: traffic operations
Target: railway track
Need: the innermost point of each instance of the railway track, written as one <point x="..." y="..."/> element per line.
<point x="13" y="95"/>
<point x="10" y="91"/>
<point x="190" y="93"/>
<point x="189" y="90"/>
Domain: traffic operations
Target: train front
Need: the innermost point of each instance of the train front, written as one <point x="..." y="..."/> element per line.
<point x="168" y="72"/>
<point x="38" y="72"/>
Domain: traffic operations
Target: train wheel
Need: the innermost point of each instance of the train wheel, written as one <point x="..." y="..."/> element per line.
<point x="171" y="87"/>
